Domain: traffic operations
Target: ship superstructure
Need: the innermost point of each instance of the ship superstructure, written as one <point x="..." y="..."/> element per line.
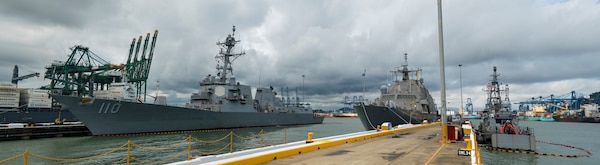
<point x="404" y="101"/>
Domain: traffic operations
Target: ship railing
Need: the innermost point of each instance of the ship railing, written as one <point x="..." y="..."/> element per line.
<point x="521" y="130"/>
<point x="191" y="146"/>
<point x="526" y="131"/>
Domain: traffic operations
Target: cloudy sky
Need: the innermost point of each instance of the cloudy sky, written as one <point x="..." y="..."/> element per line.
<point x="540" y="47"/>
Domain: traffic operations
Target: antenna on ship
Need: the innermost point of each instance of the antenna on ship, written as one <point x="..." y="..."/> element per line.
<point x="227" y="56"/>
<point x="405" y="67"/>
<point x="364" y="85"/>
<point x="303" y="90"/>
<point x="157" y="88"/>
<point x="297" y="98"/>
<point x="405" y="60"/>
<point x="404" y="70"/>
<point x="259" y="75"/>
<point x="287" y="93"/>
<point x="506" y="98"/>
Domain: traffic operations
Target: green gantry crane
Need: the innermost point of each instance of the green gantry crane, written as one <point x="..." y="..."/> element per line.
<point x="80" y="73"/>
<point x="85" y="71"/>
<point x="137" y="69"/>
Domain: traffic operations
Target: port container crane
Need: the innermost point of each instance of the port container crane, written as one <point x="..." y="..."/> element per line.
<point x="573" y="99"/>
<point x="138" y="68"/>
<point x="469" y="106"/>
<point x="81" y="67"/>
<point x="85" y="67"/>
<point x="16" y="78"/>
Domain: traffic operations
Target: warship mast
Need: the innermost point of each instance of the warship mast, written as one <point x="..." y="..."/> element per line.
<point x="404" y="70"/>
<point x="227" y="56"/>
<point x="494" y="101"/>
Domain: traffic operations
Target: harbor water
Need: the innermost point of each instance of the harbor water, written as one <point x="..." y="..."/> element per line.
<point x="584" y="135"/>
<point x="165" y="148"/>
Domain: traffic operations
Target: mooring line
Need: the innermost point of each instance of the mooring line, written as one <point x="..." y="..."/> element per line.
<point x="510" y="150"/>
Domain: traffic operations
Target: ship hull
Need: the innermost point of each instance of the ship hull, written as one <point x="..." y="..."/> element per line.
<point x="547" y="119"/>
<point x="592" y="120"/>
<point x="371" y="116"/>
<point x="345" y="115"/>
<point x="471" y="117"/>
<point x="35" y="116"/>
<point x="533" y="118"/>
<point x="576" y="119"/>
<point x="107" y="117"/>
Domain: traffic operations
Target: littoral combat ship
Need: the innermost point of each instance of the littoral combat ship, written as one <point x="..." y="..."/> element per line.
<point x="404" y="101"/>
<point x="221" y="102"/>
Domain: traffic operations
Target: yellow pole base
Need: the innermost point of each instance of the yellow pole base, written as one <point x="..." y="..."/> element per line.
<point x="444" y="138"/>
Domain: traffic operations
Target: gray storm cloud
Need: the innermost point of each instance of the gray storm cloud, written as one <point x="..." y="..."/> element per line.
<point x="540" y="47"/>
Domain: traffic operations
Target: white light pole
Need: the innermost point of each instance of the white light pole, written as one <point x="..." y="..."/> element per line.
<point x="444" y="138"/>
<point x="461" y="93"/>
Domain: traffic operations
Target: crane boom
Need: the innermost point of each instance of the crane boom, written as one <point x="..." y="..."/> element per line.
<point x="560" y="108"/>
<point x="566" y="107"/>
<point x="16" y="78"/>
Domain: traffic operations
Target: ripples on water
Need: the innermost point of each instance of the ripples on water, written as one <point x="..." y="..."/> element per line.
<point x="584" y="135"/>
<point x="79" y="147"/>
<point x="576" y="134"/>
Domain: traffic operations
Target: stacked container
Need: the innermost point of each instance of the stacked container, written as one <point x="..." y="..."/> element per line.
<point x="109" y="94"/>
<point x="39" y="98"/>
<point x="117" y="91"/>
<point x="9" y="95"/>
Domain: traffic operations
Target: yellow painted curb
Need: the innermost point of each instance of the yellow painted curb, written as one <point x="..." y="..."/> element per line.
<point x="317" y="145"/>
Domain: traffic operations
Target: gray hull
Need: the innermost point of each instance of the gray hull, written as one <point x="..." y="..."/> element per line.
<point x="371" y="116"/>
<point x="106" y="117"/>
<point x="35" y="116"/>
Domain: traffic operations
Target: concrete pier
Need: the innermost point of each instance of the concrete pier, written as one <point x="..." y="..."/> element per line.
<point x="407" y="144"/>
<point x="419" y="146"/>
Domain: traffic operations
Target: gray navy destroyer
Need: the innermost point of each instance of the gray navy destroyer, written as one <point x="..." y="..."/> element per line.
<point x="221" y="102"/>
<point x="405" y="101"/>
<point x="500" y="126"/>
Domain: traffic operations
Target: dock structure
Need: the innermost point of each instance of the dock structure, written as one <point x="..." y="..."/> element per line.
<point x="419" y="146"/>
<point x="43" y="131"/>
<point x="408" y="144"/>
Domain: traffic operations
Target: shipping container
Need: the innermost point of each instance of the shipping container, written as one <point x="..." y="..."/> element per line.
<point x="9" y="104"/>
<point x="9" y="99"/>
<point x="39" y="96"/>
<point x="32" y="91"/>
<point x="9" y="94"/>
<point x="39" y="105"/>
<point x="7" y="85"/>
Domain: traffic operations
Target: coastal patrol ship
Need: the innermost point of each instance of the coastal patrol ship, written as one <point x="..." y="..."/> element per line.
<point x="405" y="101"/>
<point x="221" y="102"/>
<point x="500" y="126"/>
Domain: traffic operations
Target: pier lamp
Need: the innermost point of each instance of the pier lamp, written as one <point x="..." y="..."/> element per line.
<point x="460" y="77"/>
<point x="444" y="138"/>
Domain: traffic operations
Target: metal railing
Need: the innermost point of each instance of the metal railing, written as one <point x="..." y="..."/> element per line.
<point x="259" y="141"/>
